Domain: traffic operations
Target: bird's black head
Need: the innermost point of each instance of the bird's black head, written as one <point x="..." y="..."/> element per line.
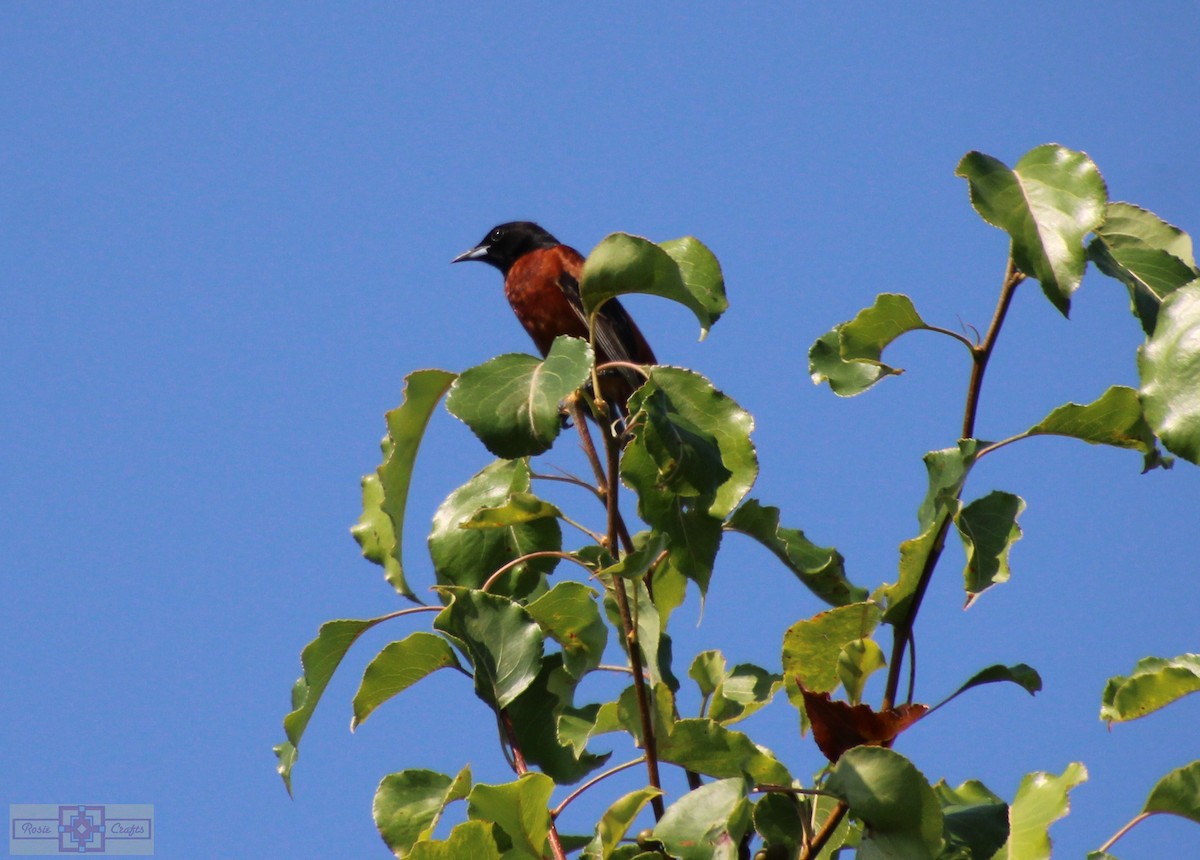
<point x="505" y="244"/>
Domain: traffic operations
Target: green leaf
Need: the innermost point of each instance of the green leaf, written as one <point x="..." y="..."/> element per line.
<point x="688" y="398"/>
<point x="1024" y="676"/>
<point x="845" y="378"/>
<point x="502" y="641"/>
<point x="1169" y="365"/>
<point x="577" y="726"/>
<point x="687" y="457"/>
<point x="517" y="509"/>
<point x="693" y="535"/>
<point x="1041" y="800"/>
<point x="634" y="565"/>
<point x="470" y="839"/>
<point x="1155" y="683"/>
<point x="320" y="659"/>
<point x="568" y="613"/>
<point x="408" y="805"/>
<point x="988" y="528"/>
<point x="469" y="556"/>
<point x="893" y="798"/>
<point x="518" y="808"/>
<point x="652" y="641"/>
<point x="741" y="692"/>
<point x="683" y="271"/>
<point x="820" y="569"/>
<point x="396" y="668"/>
<point x="707" y="823"/>
<point x="1177" y="793"/>
<point x="812" y="647"/>
<point x="778" y="819"/>
<point x="708" y="671"/>
<point x="616" y="821"/>
<point x="380" y="529"/>
<point x="707" y="747"/>
<point x="856" y="663"/>
<point x="975" y="819"/>
<point x="512" y="402"/>
<point x="662" y="713"/>
<point x="1149" y="256"/>
<point x="865" y="336"/>
<point x="1115" y="418"/>
<point x="1047" y="204"/>
<point x="947" y="470"/>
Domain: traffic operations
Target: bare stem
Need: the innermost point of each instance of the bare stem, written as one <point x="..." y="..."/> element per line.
<point x="1132" y="823"/>
<point x="902" y="636"/>
<point x="545" y="553"/>
<point x="613" y="451"/>
<point x="522" y="768"/>
<point x="557" y="811"/>
<point x="825" y="833"/>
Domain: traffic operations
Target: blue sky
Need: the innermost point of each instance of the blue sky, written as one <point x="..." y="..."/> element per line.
<point x="225" y="231"/>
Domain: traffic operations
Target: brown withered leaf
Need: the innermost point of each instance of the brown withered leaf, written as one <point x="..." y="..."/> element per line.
<point x="838" y="726"/>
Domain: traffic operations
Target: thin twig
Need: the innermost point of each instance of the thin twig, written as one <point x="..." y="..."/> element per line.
<point x="613" y="451"/>
<point x="522" y="768"/>
<point x="902" y="635"/>
<point x="568" y="478"/>
<point x="767" y="787"/>
<point x="613" y="365"/>
<point x="966" y="341"/>
<point x="826" y="832"/>
<point x="1132" y="823"/>
<point x="557" y="811"/>
<point x="545" y="553"/>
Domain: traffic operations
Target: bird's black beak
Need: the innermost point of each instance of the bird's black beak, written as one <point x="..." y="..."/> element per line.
<point x="479" y="252"/>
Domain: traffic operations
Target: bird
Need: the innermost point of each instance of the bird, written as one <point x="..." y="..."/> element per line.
<point x="541" y="283"/>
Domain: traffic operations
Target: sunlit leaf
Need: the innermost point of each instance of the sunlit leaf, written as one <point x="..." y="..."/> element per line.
<point x="821" y="569"/>
<point x="865" y="336"/>
<point x="512" y="401"/>
<point x="1041" y="800"/>
<point x="577" y="726"/>
<point x="615" y="823"/>
<point x="662" y="713"/>
<point x="379" y="531"/>
<point x="708" y="671"/>
<point x="893" y="798"/>
<point x="396" y="668"/>
<point x="518" y="808"/>
<point x="1169" y="365"/>
<point x="1115" y="418"/>
<point x="469" y="556"/>
<point x="988" y="528"/>
<point x="1155" y="683"/>
<point x="517" y="509"/>
<point x="707" y="823"/>
<point x="570" y="615"/>
<point x="320" y="659"/>
<point x="1149" y="256"/>
<point x="683" y="271"/>
<point x="947" y="470"/>
<point x="1047" y="204"/>
<point x="470" y="839"/>
<point x="857" y="662"/>
<point x="812" y="647"/>
<point x="498" y="636"/>
<point x="1178" y="793"/>
<point x="975" y="820"/>
<point x="845" y="378"/>
<point x="707" y="747"/>
<point x="408" y="805"/>
<point x="710" y="412"/>
<point x="741" y="692"/>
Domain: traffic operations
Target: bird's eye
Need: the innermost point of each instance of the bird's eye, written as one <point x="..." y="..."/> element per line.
<point x="496" y="234"/>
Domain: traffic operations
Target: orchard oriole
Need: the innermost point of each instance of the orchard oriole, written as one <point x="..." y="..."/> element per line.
<point x="541" y="283"/>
